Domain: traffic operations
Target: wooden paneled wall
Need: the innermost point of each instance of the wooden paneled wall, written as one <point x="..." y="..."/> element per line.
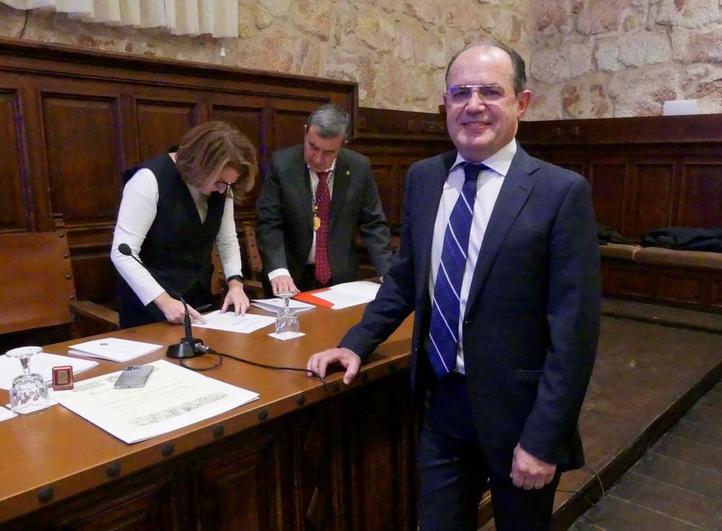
<point x="71" y="121"/>
<point x="393" y="140"/>
<point x="646" y="173"/>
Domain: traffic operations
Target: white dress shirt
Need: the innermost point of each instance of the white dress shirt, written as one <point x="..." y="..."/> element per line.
<point x="488" y="186"/>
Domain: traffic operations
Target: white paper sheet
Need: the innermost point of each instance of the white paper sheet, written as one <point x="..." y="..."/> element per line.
<point x="285" y="336"/>
<point x="42" y="364"/>
<point x="349" y="294"/>
<point x="113" y="349"/>
<point x="172" y="398"/>
<point x="273" y="305"/>
<point x="6" y="414"/>
<point x="230" y="322"/>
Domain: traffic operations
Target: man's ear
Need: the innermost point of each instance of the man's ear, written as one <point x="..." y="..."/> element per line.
<point x="524" y="100"/>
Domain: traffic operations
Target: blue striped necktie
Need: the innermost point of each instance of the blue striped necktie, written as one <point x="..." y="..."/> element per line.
<point x="445" y="307"/>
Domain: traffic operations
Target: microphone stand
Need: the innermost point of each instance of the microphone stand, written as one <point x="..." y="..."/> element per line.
<point x="189" y="346"/>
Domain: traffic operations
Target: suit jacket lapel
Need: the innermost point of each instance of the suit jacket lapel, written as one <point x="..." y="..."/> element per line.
<point x="341" y="180"/>
<point x="300" y="180"/>
<point x="427" y="216"/>
<point x="518" y="184"/>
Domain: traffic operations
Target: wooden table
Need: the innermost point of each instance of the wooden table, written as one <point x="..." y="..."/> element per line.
<point x="300" y="457"/>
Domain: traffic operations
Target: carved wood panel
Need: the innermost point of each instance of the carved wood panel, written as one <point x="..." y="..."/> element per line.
<point x="249" y="120"/>
<point x="650" y="200"/>
<point x="244" y="485"/>
<point x="701" y="195"/>
<point x="14" y="206"/>
<point x="82" y="157"/>
<point x="376" y="438"/>
<point x="387" y="182"/>
<point x="161" y="124"/>
<point x="288" y="127"/>
<point x="608" y="188"/>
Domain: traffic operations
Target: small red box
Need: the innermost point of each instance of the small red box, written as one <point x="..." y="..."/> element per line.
<point x="62" y="378"/>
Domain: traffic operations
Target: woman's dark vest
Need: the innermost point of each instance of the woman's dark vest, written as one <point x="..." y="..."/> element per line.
<point x="177" y="247"/>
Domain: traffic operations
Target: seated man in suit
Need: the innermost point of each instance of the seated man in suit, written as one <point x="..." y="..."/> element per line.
<point x="313" y="199"/>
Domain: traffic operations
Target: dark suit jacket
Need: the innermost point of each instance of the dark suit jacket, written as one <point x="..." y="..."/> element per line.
<point x="285" y="215"/>
<point x="532" y="318"/>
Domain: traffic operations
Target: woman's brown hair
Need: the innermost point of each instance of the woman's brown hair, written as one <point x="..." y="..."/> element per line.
<point x="208" y="148"/>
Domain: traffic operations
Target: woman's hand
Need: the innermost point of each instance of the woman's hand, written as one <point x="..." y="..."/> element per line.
<point x="174" y="311"/>
<point x="236" y="298"/>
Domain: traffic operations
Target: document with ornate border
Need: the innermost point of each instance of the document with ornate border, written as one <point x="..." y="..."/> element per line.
<point x="172" y="398"/>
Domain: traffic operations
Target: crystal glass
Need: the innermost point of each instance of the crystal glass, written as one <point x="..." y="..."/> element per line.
<point x="286" y="318"/>
<point x="28" y="393"/>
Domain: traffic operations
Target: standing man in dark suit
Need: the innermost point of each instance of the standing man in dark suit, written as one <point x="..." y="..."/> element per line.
<point x="499" y="260"/>
<point x="313" y="199"/>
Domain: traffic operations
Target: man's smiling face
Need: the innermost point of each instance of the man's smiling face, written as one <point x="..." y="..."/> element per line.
<point x="482" y="109"/>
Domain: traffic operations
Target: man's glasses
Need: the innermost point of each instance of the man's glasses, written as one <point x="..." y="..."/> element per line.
<point x="460" y="94"/>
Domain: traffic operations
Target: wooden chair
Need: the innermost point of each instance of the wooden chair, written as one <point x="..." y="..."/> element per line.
<point x="38" y="285"/>
<point x="252" y="265"/>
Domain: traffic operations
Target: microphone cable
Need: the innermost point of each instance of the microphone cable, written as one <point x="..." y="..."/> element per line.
<point x="219" y="362"/>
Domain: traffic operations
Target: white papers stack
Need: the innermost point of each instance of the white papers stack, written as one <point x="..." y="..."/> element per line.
<point x="273" y="305"/>
<point x="172" y="398"/>
<point x="41" y="363"/>
<point x="230" y="322"/>
<point x="113" y="349"/>
<point x="349" y="294"/>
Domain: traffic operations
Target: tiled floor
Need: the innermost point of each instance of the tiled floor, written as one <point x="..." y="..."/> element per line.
<point x="676" y="485"/>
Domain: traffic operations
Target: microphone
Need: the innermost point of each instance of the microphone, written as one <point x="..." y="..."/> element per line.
<point x="189" y="347"/>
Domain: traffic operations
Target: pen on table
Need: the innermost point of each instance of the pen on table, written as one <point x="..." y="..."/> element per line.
<point x="204" y="307"/>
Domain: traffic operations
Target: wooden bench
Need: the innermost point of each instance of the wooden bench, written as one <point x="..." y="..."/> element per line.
<point x="690" y="279"/>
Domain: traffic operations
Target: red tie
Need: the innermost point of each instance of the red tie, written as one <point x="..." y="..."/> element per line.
<point x="323" y="204"/>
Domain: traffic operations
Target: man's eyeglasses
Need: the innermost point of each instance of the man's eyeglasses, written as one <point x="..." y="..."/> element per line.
<point x="459" y="94"/>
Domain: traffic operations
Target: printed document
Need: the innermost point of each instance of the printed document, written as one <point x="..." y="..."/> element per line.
<point x="230" y="322"/>
<point x="349" y="294"/>
<point x="273" y="305"/>
<point x="113" y="349"/>
<point x="172" y="398"/>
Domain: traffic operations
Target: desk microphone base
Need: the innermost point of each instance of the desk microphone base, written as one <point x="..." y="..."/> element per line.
<point x="188" y="348"/>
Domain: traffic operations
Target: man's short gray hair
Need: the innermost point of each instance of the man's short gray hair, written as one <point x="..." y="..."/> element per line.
<point x="330" y="121"/>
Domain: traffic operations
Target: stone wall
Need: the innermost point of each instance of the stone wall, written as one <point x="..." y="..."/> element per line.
<point x="586" y="58"/>
<point x="613" y="58"/>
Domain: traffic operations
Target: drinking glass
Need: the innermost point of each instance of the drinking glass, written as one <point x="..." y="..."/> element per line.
<point x="28" y="393"/>
<point x="286" y="318"/>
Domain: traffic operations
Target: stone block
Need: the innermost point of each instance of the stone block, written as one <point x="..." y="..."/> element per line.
<point x="545" y="103"/>
<point x="698" y="45"/>
<point x="601" y="16"/>
<point x="606" y="54"/>
<point x="560" y="64"/>
<point x="549" y="14"/>
<point x="640" y="92"/>
<point x="644" y="48"/>
<point x="586" y="97"/>
<point x="688" y="13"/>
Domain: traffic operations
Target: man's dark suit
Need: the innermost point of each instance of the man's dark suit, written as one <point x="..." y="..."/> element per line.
<point x="531" y="323"/>
<point x="285" y="216"/>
